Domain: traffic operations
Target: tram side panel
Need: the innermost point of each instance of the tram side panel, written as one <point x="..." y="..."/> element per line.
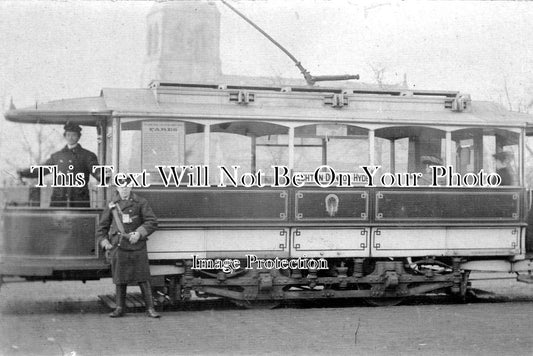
<point x="44" y="242"/>
<point x="233" y="242"/>
<point x="336" y="223"/>
<point x="219" y="223"/>
<point x="233" y="223"/>
<point x="331" y="223"/>
<point x="448" y="223"/>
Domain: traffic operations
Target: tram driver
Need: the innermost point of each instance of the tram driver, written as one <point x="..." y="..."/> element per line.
<point x="71" y="159"/>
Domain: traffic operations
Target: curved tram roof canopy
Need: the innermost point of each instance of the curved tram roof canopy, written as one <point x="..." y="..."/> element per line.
<point x="388" y="107"/>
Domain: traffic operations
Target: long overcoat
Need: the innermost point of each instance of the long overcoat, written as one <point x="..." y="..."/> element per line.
<point x="129" y="262"/>
<point x="75" y="160"/>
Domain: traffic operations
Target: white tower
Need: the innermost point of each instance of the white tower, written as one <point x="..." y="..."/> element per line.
<point x="183" y="40"/>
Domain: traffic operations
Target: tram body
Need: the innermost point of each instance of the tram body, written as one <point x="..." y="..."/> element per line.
<point x="381" y="241"/>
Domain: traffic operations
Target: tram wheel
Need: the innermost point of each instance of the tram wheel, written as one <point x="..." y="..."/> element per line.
<point x="380" y="301"/>
<point x="384" y="302"/>
<point x="257" y="304"/>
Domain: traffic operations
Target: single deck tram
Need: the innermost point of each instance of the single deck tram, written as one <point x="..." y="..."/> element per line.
<point x="382" y="241"/>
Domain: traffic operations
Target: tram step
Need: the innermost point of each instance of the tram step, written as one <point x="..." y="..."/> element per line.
<point x="133" y="300"/>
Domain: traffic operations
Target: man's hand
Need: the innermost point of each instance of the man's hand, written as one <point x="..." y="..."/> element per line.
<point x="134" y="237"/>
<point x="106" y="244"/>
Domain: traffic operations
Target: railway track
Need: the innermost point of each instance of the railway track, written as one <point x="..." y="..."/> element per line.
<point x="135" y="303"/>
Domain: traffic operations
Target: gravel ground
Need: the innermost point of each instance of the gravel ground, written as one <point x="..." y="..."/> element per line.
<point x="66" y="318"/>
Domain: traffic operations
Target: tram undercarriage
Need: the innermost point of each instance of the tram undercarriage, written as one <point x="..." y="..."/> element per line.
<point x="381" y="282"/>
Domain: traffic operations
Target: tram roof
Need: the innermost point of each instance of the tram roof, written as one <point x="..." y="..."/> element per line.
<point x="83" y="111"/>
<point x="271" y="103"/>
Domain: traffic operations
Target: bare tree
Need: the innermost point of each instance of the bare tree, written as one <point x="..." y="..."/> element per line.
<point x="379" y="73"/>
<point x="506" y="92"/>
<point x="519" y="103"/>
<point x="24" y="145"/>
<point x="37" y="144"/>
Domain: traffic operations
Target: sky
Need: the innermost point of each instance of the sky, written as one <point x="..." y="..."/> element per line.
<point x="65" y="49"/>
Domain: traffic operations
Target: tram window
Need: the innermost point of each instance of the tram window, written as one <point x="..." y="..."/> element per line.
<point x="382" y="153"/>
<point x="529" y="158"/>
<point x="342" y="147"/>
<point x="59" y="196"/>
<point x="413" y="149"/>
<point x="251" y="146"/>
<point x="271" y="150"/>
<point x="491" y="149"/>
<point x="401" y="154"/>
<point x="109" y="143"/>
<point x="144" y="144"/>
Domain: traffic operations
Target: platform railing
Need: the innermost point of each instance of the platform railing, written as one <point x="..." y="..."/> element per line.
<point x="40" y="197"/>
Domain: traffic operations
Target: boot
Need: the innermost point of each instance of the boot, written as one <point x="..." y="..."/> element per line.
<point x="121" y="301"/>
<point x="146" y="291"/>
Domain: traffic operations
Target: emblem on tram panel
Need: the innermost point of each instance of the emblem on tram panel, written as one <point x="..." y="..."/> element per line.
<point x="332" y="204"/>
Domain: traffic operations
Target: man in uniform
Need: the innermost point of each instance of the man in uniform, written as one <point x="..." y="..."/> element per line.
<point x="504" y="168"/>
<point x="123" y="230"/>
<point x="428" y="162"/>
<point x="71" y="159"/>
